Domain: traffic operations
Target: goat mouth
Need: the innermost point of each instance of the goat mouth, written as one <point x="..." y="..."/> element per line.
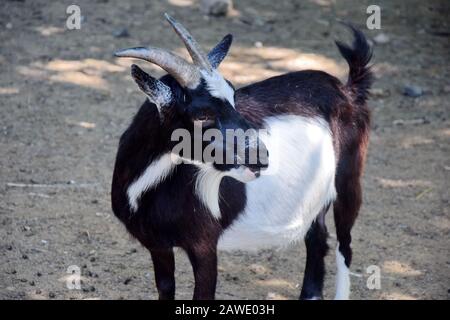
<point x="244" y="174"/>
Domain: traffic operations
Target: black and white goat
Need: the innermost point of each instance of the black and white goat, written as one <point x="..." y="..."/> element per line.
<point x="317" y="139"/>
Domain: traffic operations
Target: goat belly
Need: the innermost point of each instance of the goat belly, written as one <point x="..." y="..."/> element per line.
<point x="284" y="201"/>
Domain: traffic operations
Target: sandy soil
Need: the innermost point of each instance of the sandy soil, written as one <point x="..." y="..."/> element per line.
<point x="64" y="101"/>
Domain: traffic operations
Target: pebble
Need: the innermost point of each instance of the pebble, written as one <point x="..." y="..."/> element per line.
<point x="127" y="281"/>
<point x="379" y="93"/>
<point x="412" y="91"/>
<point x="24" y="256"/>
<point x="51" y="294"/>
<point x="131" y="251"/>
<point x="91" y="288"/>
<point x="381" y="38"/>
<point x="121" y="33"/>
<point x="257" y="269"/>
<point x="258" y="44"/>
<point x="215" y="8"/>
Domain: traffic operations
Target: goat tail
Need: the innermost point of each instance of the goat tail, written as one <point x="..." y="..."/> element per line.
<point x="358" y="56"/>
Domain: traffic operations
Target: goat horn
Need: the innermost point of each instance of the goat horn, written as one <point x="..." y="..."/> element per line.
<point x="185" y="73"/>
<point x="198" y="56"/>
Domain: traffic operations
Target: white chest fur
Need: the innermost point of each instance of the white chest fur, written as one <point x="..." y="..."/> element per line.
<point x="282" y="203"/>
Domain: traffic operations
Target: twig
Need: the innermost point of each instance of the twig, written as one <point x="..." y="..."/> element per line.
<point x="57" y="185"/>
<point x="42" y="195"/>
<point x="420" y="195"/>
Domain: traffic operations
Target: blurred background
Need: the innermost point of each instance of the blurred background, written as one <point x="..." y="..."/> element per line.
<point x="65" y="101"/>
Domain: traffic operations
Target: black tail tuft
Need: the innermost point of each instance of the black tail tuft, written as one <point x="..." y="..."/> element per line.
<point x="360" y="77"/>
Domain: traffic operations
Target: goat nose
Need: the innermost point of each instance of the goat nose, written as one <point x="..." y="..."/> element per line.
<point x="256" y="170"/>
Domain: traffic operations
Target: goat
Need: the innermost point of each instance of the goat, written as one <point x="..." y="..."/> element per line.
<point x="317" y="128"/>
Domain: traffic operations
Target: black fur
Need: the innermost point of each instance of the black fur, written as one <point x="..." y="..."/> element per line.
<point x="171" y="215"/>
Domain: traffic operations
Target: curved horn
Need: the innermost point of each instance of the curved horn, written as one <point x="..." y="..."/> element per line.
<point x="196" y="52"/>
<point x="185" y="73"/>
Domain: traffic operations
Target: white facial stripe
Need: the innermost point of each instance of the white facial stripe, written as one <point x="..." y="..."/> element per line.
<point x="342" y="277"/>
<point x="156" y="172"/>
<point x="218" y="87"/>
<point x="207" y="188"/>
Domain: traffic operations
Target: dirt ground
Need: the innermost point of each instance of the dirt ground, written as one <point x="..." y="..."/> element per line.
<point x="64" y="102"/>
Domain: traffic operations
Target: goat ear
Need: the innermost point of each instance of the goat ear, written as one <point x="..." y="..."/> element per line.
<point x="219" y="52"/>
<point x="157" y="92"/>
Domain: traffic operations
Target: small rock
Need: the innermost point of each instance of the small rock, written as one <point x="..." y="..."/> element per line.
<point x="9" y="248"/>
<point x="381" y="38"/>
<point x="127" y="281"/>
<point x="258" y="44"/>
<point x="412" y="91"/>
<point x="274" y="296"/>
<point x="26" y="228"/>
<point x="39" y="274"/>
<point x="216" y="8"/>
<point x="92" y="259"/>
<point x="32" y="283"/>
<point x="44" y="242"/>
<point x="9" y="25"/>
<point x="38" y="291"/>
<point x="24" y="256"/>
<point x="23" y="280"/>
<point x="121" y="33"/>
<point x="51" y="294"/>
<point x="257" y="269"/>
<point x="379" y="93"/>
